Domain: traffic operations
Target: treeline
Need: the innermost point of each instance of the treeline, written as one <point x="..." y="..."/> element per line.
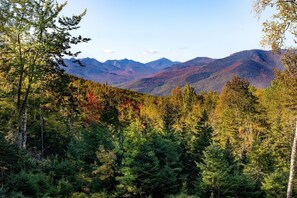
<point x="85" y="139"/>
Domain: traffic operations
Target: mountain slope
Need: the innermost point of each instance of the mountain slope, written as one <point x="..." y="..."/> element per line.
<point x="206" y="74"/>
<point x="114" y="71"/>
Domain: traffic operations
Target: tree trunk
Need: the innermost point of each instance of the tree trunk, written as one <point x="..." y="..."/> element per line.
<point x="25" y="129"/>
<point x="20" y="133"/>
<point x="19" y="103"/>
<point x="41" y="131"/>
<point x="292" y="166"/>
<point x="22" y="107"/>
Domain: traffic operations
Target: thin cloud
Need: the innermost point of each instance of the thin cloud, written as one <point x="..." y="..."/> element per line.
<point x="183" y="48"/>
<point x="147" y="52"/>
<point x="109" y="51"/>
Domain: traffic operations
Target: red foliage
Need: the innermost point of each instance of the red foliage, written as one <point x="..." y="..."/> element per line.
<point x="91" y="108"/>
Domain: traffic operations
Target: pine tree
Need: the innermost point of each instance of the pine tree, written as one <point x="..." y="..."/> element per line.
<point x="201" y="139"/>
<point x="157" y="167"/>
<point x="215" y="171"/>
<point x="221" y="176"/>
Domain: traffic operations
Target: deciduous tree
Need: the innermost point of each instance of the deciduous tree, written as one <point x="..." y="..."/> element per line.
<point x="281" y="28"/>
<point x="33" y="40"/>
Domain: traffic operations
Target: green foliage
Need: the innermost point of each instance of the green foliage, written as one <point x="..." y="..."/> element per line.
<point x="154" y="149"/>
<point x="64" y="188"/>
<point x="83" y="139"/>
<point x="93" y="153"/>
<point x="221" y="177"/>
<point x="191" y="151"/>
<point x="181" y="195"/>
<point x="132" y="141"/>
<point x="275" y="184"/>
<point x="276" y="32"/>
<point x="203" y="135"/>
<point x="235" y="115"/>
<point x="8" y="154"/>
<point x="34" y="39"/>
<point x="30" y="185"/>
<point x="79" y="195"/>
<point x="157" y="167"/>
<point x="215" y="170"/>
<point x="61" y="170"/>
<point x="77" y="138"/>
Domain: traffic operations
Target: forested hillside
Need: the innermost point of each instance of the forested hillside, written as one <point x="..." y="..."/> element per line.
<point x="62" y="136"/>
<point x="206" y="74"/>
<point x="95" y="140"/>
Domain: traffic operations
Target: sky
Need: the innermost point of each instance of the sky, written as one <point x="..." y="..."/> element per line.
<point x="180" y="30"/>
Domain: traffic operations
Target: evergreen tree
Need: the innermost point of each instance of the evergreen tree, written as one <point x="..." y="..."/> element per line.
<point x="157" y="167"/>
<point x="201" y="139"/>
<point x="132" y="140"/>
<point x="221" y="177"/>
<point x="234" y="116"/>
<point x="215" y="171"/>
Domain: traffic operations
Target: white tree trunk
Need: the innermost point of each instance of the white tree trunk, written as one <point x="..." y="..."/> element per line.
<point x="41" y="131"/>
<point x="292" y="166"/>
<point x="25" y="129"/>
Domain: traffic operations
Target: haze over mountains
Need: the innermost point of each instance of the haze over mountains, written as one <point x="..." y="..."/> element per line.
<point x="114" y="72"/>
<point x="161" y="76"/>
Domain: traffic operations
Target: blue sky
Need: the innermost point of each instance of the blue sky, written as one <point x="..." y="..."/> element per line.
<point x="145" y="30"/>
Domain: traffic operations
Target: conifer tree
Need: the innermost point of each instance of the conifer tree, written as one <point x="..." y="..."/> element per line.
<point x="221" y="176"/>
<point x="215" y="171"/>
<point x="234" y="115"/>
<point x="157" y="167"/>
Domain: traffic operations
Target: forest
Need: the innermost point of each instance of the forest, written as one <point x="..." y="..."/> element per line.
<point x="62" y="136"/>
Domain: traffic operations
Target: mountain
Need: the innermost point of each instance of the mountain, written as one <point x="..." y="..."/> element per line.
<point x="161" y="64"/>
<point x="159" y="77"/>
<point x="206" y="74"/>
<point x="114" y="71"/>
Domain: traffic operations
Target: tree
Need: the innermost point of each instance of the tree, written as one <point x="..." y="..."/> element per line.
<point x="284" y="23"/>
<point x="274" y="184"/>
<point x="33" y="41"/>
<point x="157" y="167"/>
<point x="200" y="140"/>
<point x="94" y="150"/>
<point x="221" y="176"/>
<point x="189" y="96"/>
<point x="234" y="115"/>
<point x="129" y="147"/>
<point x="215" y="170"/>
<point x="288" y="78"/>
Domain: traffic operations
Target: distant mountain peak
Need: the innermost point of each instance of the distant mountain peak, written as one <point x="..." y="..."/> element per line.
<point x="205" y="74"/>
<point x="162" y="59"/>
<point x="161" y="63"/>
<point x="160" y="76"/>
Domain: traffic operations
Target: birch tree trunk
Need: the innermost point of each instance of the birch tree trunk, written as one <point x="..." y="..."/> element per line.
<point x="292" y="166"/>
<point x="41" y="131"/>
<point x="25" y="129"/>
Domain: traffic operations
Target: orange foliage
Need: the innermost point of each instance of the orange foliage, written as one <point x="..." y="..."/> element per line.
<point x="91" y="108"/>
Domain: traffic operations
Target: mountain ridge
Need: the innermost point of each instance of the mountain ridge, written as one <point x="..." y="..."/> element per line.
<point x="254" y="65"/>
<point x="114" y="71"/>
<point x="159" y="77"/>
